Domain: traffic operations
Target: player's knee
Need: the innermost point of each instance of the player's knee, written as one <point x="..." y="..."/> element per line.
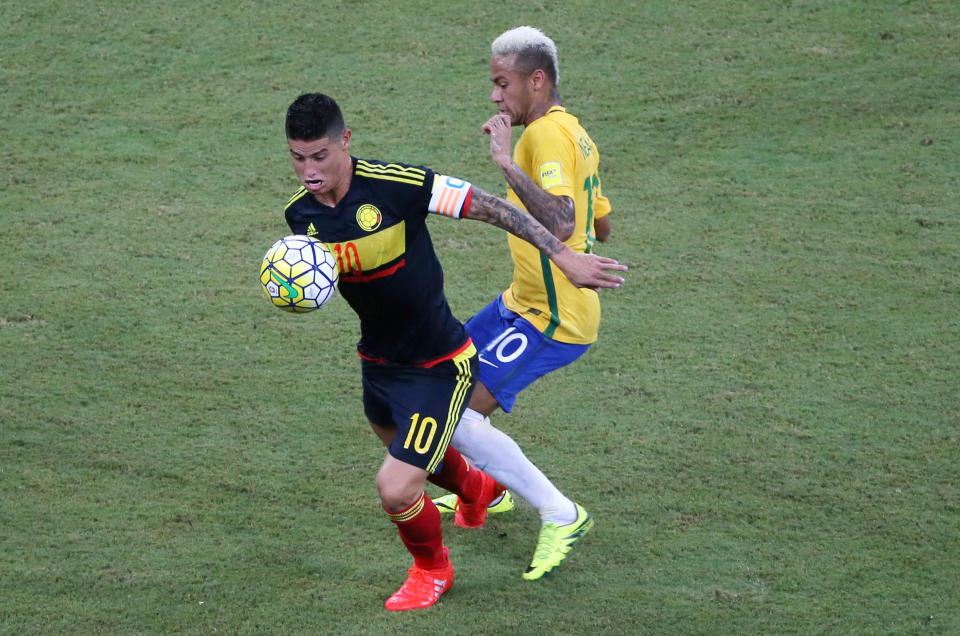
<point x="396" y="496"/>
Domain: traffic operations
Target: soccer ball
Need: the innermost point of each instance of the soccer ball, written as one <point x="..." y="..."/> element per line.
<point x="299" y="274"/>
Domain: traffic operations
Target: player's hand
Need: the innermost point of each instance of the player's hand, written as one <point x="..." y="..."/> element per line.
<point x="498" y="127"/>
<point x="589" y="270"/>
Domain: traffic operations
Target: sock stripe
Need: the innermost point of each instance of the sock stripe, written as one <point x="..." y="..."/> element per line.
<point x="406" y="515"/>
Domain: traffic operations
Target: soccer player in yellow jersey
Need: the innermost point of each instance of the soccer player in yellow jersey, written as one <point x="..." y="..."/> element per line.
<point x="542" y="321"/>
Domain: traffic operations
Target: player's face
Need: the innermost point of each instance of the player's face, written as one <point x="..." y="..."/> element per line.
<point x="511" y="89"/>
<point x="323" y="166"/>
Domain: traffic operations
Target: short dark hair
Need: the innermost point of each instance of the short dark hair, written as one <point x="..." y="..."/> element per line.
<point x="314" y="116"/>
<point x="530" y="59"/>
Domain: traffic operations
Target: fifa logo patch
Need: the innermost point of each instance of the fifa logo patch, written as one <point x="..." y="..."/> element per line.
<point x="551" y="175"/>
<point x="369" y="217"/>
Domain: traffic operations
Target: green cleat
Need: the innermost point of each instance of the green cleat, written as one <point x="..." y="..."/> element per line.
<point x="448" y="504"/>
<point x="555" y="542"/>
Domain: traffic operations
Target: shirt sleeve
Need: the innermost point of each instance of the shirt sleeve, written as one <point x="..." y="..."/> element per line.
<point x="601" y="207"/>
<point x="551" y="160"/>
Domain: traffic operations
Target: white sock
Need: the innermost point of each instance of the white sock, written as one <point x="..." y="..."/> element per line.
<point x="494" y="452"/>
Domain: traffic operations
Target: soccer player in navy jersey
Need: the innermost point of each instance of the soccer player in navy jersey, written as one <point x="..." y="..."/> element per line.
<point x="417" y="362"/>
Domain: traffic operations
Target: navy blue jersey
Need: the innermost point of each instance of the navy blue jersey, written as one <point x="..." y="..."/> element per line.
<point x="389" y="271"/>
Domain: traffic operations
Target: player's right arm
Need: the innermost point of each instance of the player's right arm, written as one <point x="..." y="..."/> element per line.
<point x="583" y="270"/>
<point x="557" y="214"/>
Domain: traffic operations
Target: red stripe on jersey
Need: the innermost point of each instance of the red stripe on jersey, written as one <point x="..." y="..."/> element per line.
<point x="449" y="356"/>
<point x="428" y="363"/>
<point x="363" y="278"/>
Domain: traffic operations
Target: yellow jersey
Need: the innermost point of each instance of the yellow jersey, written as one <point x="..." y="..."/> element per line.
<point x="559" y="156"/>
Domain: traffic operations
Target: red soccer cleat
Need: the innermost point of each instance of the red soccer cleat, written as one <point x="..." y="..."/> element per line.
<point x="474" y="515"/>
<point x="422" y="587"/>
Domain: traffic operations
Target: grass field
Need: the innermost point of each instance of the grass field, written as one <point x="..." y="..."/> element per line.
<point x="767" y="432"/>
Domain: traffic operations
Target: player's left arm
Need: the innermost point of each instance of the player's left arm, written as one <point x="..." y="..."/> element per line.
<point x="601" y="228"/>
<point x="583" y="270"/>
<point x="556" y="213"/>
<point x="601" y="211"/>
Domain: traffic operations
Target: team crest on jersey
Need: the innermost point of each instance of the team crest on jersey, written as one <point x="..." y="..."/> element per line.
<point x="369" y="217"/>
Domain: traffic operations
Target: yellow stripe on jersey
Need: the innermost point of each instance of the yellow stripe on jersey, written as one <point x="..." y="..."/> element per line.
<point x="299" y="194"/>
<point x="464" y="381"/>
<point x="367" y="253"/>
<point x="390" y="172"/>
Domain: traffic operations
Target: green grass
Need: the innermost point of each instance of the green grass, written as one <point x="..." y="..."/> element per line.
<point x="766" y="432"/>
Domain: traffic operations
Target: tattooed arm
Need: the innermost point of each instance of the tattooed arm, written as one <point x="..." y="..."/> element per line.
<point x="557" y="214"/>
<point x="583" y="270"/>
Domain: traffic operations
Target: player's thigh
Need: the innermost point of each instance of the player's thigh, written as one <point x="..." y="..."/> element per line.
<point x="386" y="434"/>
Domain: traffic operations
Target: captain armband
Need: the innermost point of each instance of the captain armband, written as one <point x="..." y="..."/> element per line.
<point x="450" y="196"/>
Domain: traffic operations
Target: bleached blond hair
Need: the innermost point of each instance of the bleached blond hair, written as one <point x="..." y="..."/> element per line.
<point x="533" y="49"/>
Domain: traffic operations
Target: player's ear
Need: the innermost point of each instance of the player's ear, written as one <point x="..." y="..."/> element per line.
<point x="345" y="138"/>
<point x="538" y="79"/>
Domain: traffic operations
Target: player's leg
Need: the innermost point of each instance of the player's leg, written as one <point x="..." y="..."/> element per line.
<point x="513" y="354"/>
<point x="418" y="521"/>
<point x="503" y="459"/>
<point x="486" y="326"/>
<point x="463" y="481"/>
<point x="455" y="473"/>
<point x="400" y="484"/>
<point x="424" y="406"/>
<point x="511" y="359"/>
<point x="497" y="454"/>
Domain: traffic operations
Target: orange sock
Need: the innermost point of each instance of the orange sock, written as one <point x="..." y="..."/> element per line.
<point x="419" y="527"/>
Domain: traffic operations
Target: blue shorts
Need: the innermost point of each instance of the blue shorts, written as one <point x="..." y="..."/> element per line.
<point x="514" y="353"/>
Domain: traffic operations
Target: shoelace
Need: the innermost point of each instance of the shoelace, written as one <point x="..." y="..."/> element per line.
<point x="422" y="580"/>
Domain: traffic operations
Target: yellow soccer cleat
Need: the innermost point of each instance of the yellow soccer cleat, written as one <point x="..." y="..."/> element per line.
<point x="447" y="504"/>
<point x="555" y="542"/>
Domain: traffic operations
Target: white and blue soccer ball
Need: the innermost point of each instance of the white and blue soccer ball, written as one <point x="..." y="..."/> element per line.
<point x="299" y="274"/>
